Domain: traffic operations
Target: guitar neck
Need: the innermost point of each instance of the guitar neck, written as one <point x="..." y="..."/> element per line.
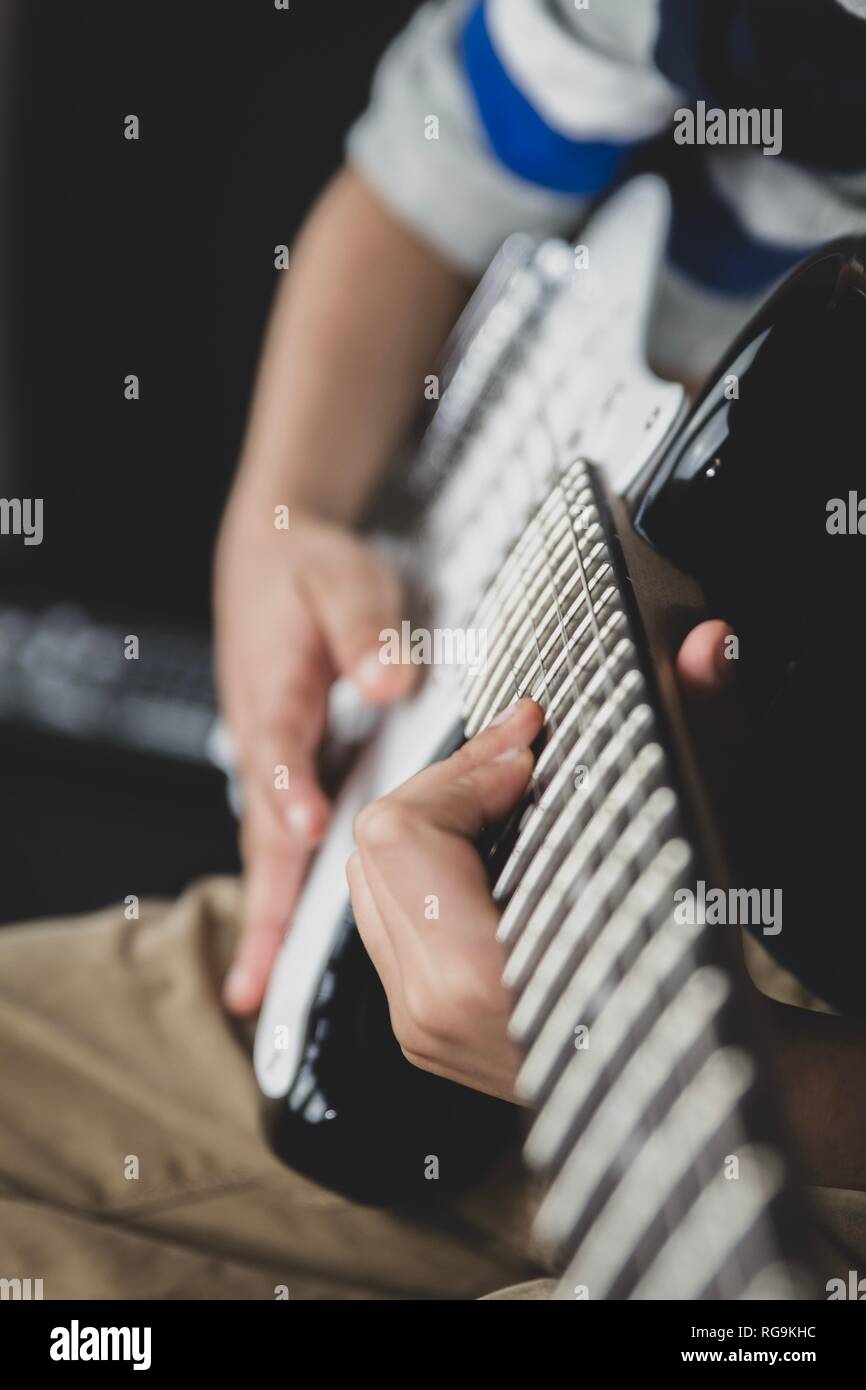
<point x="652" y="1134"/>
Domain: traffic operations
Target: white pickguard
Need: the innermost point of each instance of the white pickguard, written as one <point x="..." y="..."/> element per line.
<point x="585" y="387"/>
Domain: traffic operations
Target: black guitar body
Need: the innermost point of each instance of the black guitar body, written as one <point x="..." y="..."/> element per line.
<point x="741" y="503"/>
<point x="379" y="1130"/>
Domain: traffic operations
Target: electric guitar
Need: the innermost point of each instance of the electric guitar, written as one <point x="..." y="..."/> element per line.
<point x="582" y="518"/>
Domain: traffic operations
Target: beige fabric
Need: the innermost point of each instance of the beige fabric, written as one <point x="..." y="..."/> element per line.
<point x="114" y="1047"/>
<point x="533" y="1291"/>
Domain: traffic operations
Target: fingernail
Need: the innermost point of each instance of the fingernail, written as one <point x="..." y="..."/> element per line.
<point x="503" y="717"/>
<point x="510" y="753"/>
<point x="237" y="984"/>
<point x="368" y="670"/>
<point x="298" y="818"/>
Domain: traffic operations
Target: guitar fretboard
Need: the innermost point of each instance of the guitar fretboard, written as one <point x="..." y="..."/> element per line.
<point x="655" y="1187"/>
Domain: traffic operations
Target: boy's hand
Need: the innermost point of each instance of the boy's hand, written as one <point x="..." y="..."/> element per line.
<point x="295" y="609"/>
<point x="424" y="909"/>
<point x="420" y="893"/>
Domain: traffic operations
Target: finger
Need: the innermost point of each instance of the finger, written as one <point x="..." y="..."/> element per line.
<point x="478" y="784"/>
<point x="705" y="664"/>
<point x="433" y="901"/>
<point x="706" y="672"/>
<point x="281" y="774"/>
<point x="476" y="798"/>
<point x="402" y="957"/>
<point x="278" y="748"/>
<point x="354" y="604"/>
<point x="274" y="873"/>
<point x="516" y="727"/>
<point x="371" y="928"/>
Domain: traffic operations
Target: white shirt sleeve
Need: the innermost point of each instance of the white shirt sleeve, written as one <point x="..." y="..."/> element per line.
<point x="422" y="148"/>
<point x="438" y="151"/>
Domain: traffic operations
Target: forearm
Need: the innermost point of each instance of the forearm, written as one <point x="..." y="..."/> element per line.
<point x="356" y="327"/>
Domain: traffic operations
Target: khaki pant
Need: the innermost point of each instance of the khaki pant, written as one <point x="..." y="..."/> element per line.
<point x="131" y="1161"/>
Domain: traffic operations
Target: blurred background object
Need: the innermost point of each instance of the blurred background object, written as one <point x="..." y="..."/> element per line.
<point x="155" y="258"/>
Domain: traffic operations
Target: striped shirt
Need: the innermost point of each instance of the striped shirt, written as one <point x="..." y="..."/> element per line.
<point x="494" y="116"/>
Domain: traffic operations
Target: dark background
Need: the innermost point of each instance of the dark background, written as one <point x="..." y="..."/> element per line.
<point x="154" y="257"/>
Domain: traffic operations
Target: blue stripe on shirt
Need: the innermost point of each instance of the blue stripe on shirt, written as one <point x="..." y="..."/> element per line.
<point x="709" y="243"/>
<point x="520" y="138"/>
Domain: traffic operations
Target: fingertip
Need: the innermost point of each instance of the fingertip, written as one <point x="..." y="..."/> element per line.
<point x="517" y="726"/>
<point x="242" y="992"/>
<point x="303" y="808"/>
<point x="524" y="708"/>
<point x="380" y="682"/>
<point x="534" y="712"/>
<point x="702" y="662"/>
<point x="307" y="820"/>
<point x="500" y="782"/>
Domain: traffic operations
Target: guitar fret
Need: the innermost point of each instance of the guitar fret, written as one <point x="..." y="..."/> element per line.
<point x="559" y="815"/>
<point x="526" y="548"/>
<point x="620" y="1123"/>
<point x="601" y="692"/>
<point x="662" y="962"/>
<point x="536" y="610"/>
<point x="524" y="572"/>
<point x="555" y="634"/>
<point x="722" y="1215"/>
<point x="517" y="602"/>
<point x="588" y="914"/>
<point x="614" y="838"/>
<point x="776" y="1280"/>
<point x="526" y="562"/>
<point x="657" y="1171"/>
<point x="551" y="679"/>
<point x="527" y="669"/>
<point x="587" y="894"/>
<point x="595" y="656"/>
<point x="471" y="569"/>
<point x="520" y="592"/>
<point x="526" y="631"/>
<point x="612" y="954"/>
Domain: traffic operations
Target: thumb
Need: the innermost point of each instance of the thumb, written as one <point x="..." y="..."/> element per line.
<point x="706" y="671"/>
<point x="706" y="661"/>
